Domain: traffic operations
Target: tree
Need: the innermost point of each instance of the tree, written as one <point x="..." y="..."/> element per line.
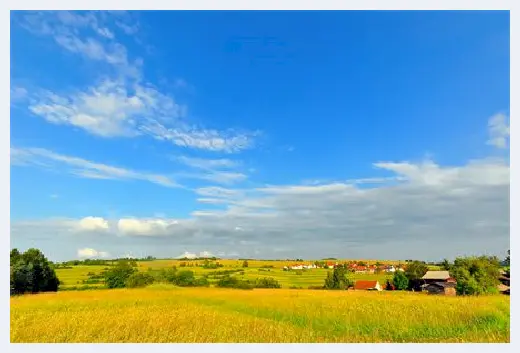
<point x="117" y="276"/>
<point x="31" y="272"/>
<point x="414" y="272"/>
<point x="245" y="264"/>
<point x="476" y="275"/>
<point x="337" y="279"/>
<point x="445" y="265"/>
<point x="507" y="261"/>
<point x="400" y="281"/>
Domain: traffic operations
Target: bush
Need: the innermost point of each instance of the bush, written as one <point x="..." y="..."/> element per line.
<point x="316" y="287"/>
<point x="245" y="263"/>
<point x="338" y="279"/>
<point x="137" y="280"/>
<point x="117" y="276"/>
<point x="267" y="282"/>
<point x="232" y="282"/>
<point x="31" y="272"/>
<point x="400" y="281"/>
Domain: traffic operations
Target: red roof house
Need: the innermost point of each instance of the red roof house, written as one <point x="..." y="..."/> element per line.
<point x="367" y="285"/>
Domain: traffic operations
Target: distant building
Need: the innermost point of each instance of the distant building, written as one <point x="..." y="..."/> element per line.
<point x="505" y="283"/>
<point x="367" y="285"/>
<point x="437" y="276"/>
<point x="439" y="282"/>
<point x="443" y="288"/>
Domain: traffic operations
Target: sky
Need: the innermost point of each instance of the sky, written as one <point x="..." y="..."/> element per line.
<point x="350" y="134"/>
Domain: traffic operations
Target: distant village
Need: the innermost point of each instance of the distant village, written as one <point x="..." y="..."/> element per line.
<point x="353" y="267"/>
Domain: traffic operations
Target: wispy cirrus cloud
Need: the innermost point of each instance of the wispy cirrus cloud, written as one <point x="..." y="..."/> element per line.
<point x="124" y="104"/>
<point x="80" y="167"/>
<point x="107" y="109"/>
<point x="221" y="171"/>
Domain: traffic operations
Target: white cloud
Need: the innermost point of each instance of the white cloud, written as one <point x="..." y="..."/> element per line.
<point x="81" y="167"/>
<point x="77" y="32"/>
<point x="144" y="227"/>
<point x="93" y="224"/>
<point x="498" y="126"/>
<point x="220" y="171"/>
<point x="438" y="211"/>
<point x="228" y="141"/>
<point x="187" y="255"/>
<point x="127" y="105"/>
<point x="207" y="164"/>
<point x="89" y="253"/>
<point x="107" y="109"/>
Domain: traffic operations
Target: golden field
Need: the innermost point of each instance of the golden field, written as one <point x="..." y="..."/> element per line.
<point x="163" y="313"/>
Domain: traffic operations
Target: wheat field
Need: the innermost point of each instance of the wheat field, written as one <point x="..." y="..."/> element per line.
<point x="164" y="313"/>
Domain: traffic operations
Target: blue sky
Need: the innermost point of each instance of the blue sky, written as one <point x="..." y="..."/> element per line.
<point x="260" y="134"/>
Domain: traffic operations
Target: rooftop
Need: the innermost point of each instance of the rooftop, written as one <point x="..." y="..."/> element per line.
<point x="443" y="275"/>
<point x="365" y="284"/>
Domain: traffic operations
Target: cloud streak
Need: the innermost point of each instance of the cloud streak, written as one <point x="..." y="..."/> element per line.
<point x="80" y="167"/>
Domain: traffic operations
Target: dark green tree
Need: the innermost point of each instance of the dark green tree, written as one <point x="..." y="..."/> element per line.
<point x="415" y="270"/>
<point x="245" y="263"/>
<point x="338" y="279"/>
<point x="400" y="280"/>
<point x="31" y="272"/>
<point x="446" y="265"/>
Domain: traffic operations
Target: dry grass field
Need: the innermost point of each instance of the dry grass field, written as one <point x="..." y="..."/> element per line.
<point x="163" y="313"/>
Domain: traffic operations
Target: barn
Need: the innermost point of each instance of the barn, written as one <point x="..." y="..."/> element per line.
<point x="442" y="288"/>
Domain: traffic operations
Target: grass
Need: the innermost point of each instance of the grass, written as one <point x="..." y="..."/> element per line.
<point x="73" y="277"/>
<point x="163" y="313"/>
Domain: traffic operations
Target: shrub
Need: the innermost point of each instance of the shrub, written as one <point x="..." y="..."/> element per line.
<point x="267" y="282"/>
<point x="137" y="280"/>
<point x="245" y="263"/>
<point x="116" y="277"/>
<point x="400" y="281"/>
<point x="316" y="287"/>
<point x="232" y="282"/>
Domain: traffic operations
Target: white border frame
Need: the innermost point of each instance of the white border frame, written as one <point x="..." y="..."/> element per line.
<point x="512" y="5"/>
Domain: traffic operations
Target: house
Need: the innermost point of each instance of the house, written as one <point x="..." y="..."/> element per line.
<point x="360" y="269"/>
<point x="443" y="288"/>
<point x="505" y="283"/>
<point x="390" y="269"/>
<point x="437" y="276"/>
<point x="367" y="285"/>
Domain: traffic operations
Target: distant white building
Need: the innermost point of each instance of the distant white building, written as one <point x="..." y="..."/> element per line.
<point x="390" y="269"/>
